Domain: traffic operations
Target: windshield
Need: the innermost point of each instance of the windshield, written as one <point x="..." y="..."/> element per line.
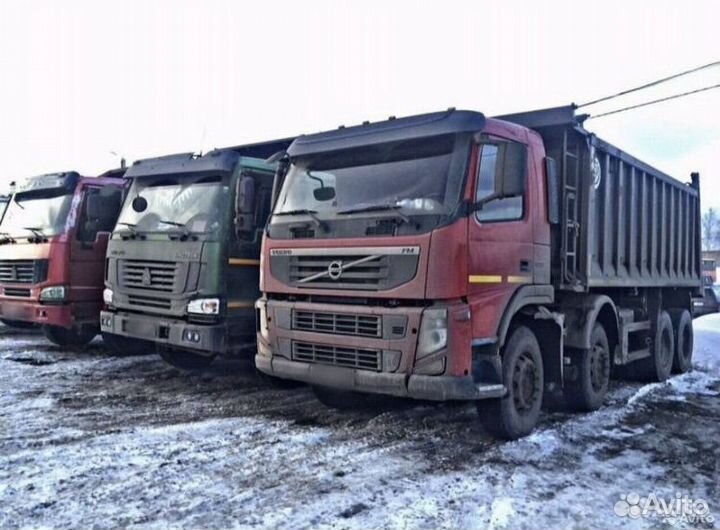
<point x="174" y="203"/>
<point x="46" y="214"/>
<point x="421" y="177"/>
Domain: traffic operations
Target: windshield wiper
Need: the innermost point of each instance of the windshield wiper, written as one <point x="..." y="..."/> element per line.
<point x="310" y="213"/>
<point x="393" y="208"/>
<point x="7" y="238"/>
<point x="131" y="226"/>
<point x="185" y="230"/>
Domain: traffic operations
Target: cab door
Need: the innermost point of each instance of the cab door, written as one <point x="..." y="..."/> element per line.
<point x="95" y="218"/>
<point x="500" y="231"/>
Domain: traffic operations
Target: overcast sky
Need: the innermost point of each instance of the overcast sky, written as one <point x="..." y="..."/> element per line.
<point x="142" y="78"/>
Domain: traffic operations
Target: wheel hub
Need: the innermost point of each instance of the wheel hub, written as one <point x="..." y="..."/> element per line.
<point x="525" y="383"/>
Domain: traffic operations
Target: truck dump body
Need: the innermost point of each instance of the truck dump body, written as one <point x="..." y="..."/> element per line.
<point x="623" y="222"/>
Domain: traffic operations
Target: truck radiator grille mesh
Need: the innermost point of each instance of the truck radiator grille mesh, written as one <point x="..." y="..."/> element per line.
<point x="151" y="275"/>
<point x="337" y="355"/>
<point x="337" y="323"/>
<point x="23" y="271"/>
<point x="149" y="302"/>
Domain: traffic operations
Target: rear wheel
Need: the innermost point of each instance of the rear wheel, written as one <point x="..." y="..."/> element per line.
<point x="127" y="346"/>
<point x="69" y="337"/>
<point x="18" y="324"/>
<point x="587" y="390"/>
<point x="683" y="334"/>
<point x="516" y="414"/>
<point x="184" y="359"/>
<point x="658" y="366"/>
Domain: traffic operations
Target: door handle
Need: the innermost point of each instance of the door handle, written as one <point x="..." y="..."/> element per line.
<point x="524" y="266"/>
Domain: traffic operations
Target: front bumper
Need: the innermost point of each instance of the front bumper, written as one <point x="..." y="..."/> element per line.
<point x="427" y="387"/>
<point x="305" y="341"/>
<point x="64" y="315"/>
<point x="203" y="339"/>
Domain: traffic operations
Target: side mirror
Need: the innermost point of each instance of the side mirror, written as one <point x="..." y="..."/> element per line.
<point x="245" y="204"/>
<point x="511" y="170"/>
<point x="552" y="183"/>
<point x="324" y="193"/>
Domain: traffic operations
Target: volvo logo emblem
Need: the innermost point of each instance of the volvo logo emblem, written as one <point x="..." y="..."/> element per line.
<point x="146" y="278"/>
<point x="335" y="270"/>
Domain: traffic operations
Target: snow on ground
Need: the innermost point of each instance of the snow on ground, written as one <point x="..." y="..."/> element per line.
<point x="91" y="440"/>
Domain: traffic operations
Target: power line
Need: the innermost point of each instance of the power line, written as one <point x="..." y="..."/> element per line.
<point x="655" y="101"/>
<point x="653" y="83"/>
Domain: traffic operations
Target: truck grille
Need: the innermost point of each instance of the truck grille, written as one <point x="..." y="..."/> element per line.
<point x="151" y="275"/>
<point x="15" y="291"/>
<point x="23" y="271"/>
<point x="149" y="301"/>
<point x="313" y="271"/>
<point x="337" y="323"/>
<point x="337" y="355"/>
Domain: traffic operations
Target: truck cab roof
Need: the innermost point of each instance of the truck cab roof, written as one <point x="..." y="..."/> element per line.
<point x="393" y="129"/>
<point x="223" y="160"/>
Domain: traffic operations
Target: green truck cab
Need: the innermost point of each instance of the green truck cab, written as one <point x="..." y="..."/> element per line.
<point x="182" y="267"/>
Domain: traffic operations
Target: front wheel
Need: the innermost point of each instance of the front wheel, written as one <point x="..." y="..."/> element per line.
<point x="69" y="336"/>
<point x="127" y="346"/>
<point x="586" y="391"/>
<point x="183" y="359"/>
<point x="516" y="414"/>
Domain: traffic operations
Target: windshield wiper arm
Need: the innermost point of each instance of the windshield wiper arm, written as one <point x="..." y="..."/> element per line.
<point x="34" y="229"/>
<point x="131" y="226"/>
<point x="393" y="208"/>
<point x="310" y="213"/>
<point x="185" y="229"/>
<point x="7" y="239"/>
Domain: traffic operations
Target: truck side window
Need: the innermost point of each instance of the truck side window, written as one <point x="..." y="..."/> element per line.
<point x="88" y="228"/>
<point x="507" y="209"/>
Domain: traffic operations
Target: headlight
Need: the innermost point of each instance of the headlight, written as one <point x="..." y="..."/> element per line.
<point x="56" y="293"/>
<point x="108" y="296"/>
<point x="262" y="320"/>
<point x="204" y="306"/>
<point x="433" y="332"/>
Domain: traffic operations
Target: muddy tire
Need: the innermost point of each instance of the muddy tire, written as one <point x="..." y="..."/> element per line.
<point x="183" y="359"/>
<point x="516" y="414"/>
<point x="125" y="346"/>
<point x="683" y="334"/>
<point x="587" y="391"/>
<point x="18" y="324"/>
<point x="69" y="337"/>
<point x="343" y="399"/>
<point x="658" y="366"/>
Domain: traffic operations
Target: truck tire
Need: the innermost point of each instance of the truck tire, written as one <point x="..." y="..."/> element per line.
<point x="658" y="366"/>
<point x="183" y="359"/>
<point x="516" y="414"/>
<point x="344" y="399"/>
<point x="587" y="390"/>
<point x="683" y="331"/>
<point x="69" y="337"/>
<point x="127" y="346"/>
<point x="17" y="324"/>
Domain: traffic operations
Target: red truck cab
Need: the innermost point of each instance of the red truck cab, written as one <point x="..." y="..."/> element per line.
<point x="451" y="256"/>
<point x="53" y="238"/>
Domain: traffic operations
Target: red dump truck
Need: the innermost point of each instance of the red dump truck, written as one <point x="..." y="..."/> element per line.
<point x="450" y="256"/>
<point x="52" y="253"/>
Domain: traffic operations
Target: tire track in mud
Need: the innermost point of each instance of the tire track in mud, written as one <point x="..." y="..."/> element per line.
<point x="352" y="467"/>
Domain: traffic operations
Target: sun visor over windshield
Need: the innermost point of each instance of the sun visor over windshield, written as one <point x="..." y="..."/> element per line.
<point x="410" y="128"/>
